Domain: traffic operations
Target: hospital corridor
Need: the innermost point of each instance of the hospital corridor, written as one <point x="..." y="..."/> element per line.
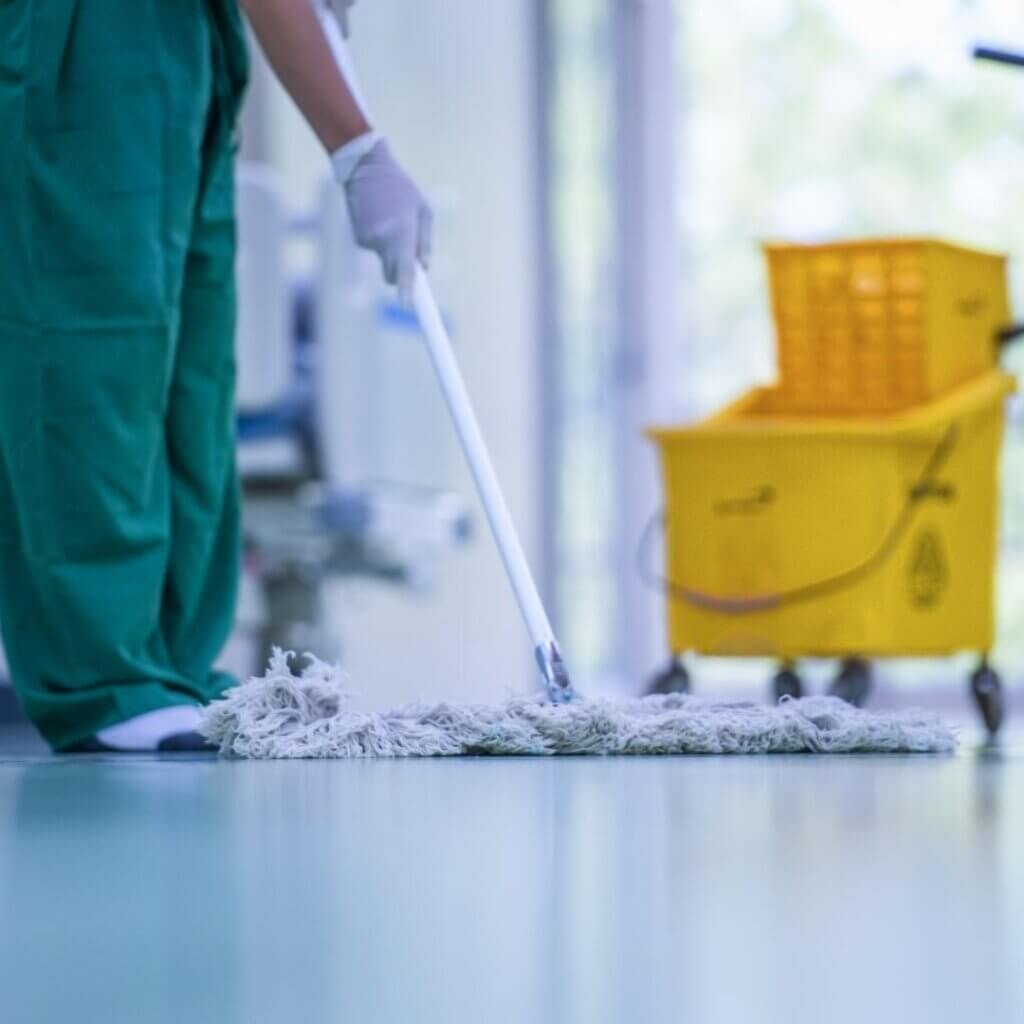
<point x="511" y="512"/>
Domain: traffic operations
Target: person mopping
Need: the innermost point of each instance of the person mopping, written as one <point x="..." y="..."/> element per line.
<point x="120" y="533"/>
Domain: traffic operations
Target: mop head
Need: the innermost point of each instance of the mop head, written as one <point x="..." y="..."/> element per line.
<point x="286" y="715"/>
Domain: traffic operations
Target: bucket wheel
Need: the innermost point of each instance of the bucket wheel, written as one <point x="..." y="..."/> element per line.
<point x="787" y="683"/>
<point x="853" y="683"/>
<point x="673" y="678"/>
<point x="987" y="690"/>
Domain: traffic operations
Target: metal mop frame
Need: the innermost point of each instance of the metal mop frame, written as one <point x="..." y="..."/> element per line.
<point x="449" y="376"/>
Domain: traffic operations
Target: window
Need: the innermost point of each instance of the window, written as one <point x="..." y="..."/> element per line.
<point x="818" y="118"/>
<point x="797" y="119"/>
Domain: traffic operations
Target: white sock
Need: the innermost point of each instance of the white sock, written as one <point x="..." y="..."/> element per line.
<point x="144" y="732"/>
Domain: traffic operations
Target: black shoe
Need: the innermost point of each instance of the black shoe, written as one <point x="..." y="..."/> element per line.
<point x="185" y="743"/>
<point x="90" y="746"/>
<point x="177" y="743"/>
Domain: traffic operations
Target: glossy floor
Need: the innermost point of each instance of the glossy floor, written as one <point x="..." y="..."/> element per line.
<point x="722" y="890"/>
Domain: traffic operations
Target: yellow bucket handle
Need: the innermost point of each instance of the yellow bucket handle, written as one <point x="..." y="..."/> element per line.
<point x="819" y="588"/>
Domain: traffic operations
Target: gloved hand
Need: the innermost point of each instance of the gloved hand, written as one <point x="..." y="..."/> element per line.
<point x="389" y="214"/>
<point x="341" y="9"/>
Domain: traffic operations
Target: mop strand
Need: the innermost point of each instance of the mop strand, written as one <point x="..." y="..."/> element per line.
<point x="287" y="715"/>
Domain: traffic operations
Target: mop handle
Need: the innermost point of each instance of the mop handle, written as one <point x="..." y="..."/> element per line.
<point x="546" y="651"/>
<point x="453" y="388"/>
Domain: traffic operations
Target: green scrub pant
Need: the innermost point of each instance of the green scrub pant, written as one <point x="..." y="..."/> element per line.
<point x="119" y="501"/>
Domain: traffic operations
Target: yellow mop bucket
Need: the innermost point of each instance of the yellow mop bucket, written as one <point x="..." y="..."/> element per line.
<point x="797" y="536"/>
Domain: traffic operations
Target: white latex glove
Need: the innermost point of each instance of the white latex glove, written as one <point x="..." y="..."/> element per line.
<point x="341" y="9"/>
<point x="389" y="214"/>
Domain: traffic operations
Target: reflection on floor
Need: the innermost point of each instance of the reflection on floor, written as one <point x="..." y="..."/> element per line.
<point x="749" y="890"/>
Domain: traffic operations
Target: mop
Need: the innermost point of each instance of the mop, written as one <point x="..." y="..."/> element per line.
<point x="304" y="714"/>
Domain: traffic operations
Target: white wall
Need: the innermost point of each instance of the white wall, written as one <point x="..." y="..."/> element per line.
<point x="451" y="84"/>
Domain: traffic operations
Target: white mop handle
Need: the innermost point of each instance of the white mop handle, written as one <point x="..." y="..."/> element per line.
<point x="549" y="658"/>
<point x="466" y="425"/>
<point x="342" y="54"/>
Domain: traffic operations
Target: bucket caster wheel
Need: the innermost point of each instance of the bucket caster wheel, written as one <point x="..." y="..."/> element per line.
<point x="674" y="678"/>
<point x="987" y="690"/>
<point x="787" y="683"/>
<point x="853" y="684"/>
